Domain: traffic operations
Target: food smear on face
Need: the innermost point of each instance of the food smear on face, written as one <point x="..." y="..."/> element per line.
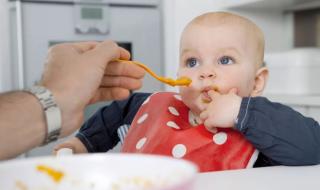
<point x="54" y="174"/>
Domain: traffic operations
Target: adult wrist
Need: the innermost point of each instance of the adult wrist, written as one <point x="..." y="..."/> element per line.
<point x="51" y="110"/>
<point x="71" y="109"/>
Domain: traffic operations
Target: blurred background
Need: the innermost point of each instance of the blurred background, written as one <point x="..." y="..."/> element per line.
<point x="150" y="30"/>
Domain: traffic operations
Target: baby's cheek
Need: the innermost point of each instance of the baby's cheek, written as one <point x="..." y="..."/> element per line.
<point x="222" y="89"/>
<point x="186" y="93"/>
<point x="196" y="105"/>
<point x="183" y="92"/>
<point x="243" y="90"/>
<point x="226" y="86"/>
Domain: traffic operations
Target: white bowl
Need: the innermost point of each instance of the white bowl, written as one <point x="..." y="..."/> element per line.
<point x="99" y="172"/>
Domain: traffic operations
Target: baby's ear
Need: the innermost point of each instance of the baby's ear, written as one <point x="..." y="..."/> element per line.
<point x="260" y="81"/>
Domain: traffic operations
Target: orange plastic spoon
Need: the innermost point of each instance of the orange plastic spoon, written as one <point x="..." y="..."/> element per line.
<point x="181" y="81"/>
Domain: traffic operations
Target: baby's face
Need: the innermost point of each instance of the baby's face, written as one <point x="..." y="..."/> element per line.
<point x="222" y="57"/>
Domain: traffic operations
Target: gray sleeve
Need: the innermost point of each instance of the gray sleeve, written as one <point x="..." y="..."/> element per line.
<point x="282" y="134"/>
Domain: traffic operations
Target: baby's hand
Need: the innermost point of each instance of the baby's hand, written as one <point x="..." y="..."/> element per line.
<point x="74" y="144"/>
<point x="222" y="111"/>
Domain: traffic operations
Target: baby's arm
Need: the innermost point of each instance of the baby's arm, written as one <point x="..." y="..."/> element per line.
<point x="100" y="132"/>
<point x="282" y="134"/>
<point x="74" y="144"/>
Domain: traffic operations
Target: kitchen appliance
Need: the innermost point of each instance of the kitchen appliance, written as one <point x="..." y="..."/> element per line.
<point x="37" y="24"/>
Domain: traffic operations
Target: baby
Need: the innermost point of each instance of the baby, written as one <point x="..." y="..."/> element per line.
<point x="219" y="121"/>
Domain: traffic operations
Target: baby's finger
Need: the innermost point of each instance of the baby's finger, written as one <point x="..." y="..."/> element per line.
<point x="233" y="91"/>
<point x="203" y="115"/>
<point x="212" y="129"/>
<point x="64" y="152"/>
<point x="60" y="146"/>
<point x="213" y="94"/>
<point x="208" y="124"/>
<point x="205" y="105"/>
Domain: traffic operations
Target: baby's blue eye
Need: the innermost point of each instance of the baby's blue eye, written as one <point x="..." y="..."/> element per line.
<point x="225" y="60"/>
<point x="192" y="62"/>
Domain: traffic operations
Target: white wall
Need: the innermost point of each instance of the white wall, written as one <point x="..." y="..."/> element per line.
<point x="276" y="26"/>
<point x="4" y="46"/>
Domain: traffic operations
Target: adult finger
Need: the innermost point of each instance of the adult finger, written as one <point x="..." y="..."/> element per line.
<point x="124" y="69"/>
<point x="106" y="51"/>
<point x="86" y="46"/>
<point x="82" y="47"/>
<point x="121" y="81"/>
<point x="124" y="54"/>
<point x="113" y="93"/>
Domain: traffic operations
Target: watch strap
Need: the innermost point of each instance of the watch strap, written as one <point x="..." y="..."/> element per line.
<point x="51" y="110"/>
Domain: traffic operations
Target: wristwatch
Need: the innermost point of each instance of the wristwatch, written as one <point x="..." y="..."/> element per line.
<point x="51" y="110"/>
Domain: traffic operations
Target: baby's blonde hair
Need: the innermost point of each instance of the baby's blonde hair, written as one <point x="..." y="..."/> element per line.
<point x="219" y="18"/>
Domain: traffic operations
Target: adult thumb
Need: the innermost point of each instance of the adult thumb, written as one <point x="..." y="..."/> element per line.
<point x="107" y="51"/>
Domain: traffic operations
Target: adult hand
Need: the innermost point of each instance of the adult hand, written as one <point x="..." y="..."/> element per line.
<point x="81" y="73"/>
<point x="222" y="111"/>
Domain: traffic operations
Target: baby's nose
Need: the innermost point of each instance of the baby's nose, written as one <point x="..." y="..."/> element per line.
<point x="207" y="75"/>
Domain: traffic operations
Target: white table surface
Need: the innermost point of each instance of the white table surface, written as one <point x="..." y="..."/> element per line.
<point x="267" y="178"/>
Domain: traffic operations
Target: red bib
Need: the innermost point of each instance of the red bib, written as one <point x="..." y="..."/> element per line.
<point x="162" y="126"/>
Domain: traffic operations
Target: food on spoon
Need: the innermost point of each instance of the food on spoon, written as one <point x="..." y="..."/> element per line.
<point x="182" y="81"/>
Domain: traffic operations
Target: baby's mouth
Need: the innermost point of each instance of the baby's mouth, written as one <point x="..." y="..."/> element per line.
<point x="205" y="95"/>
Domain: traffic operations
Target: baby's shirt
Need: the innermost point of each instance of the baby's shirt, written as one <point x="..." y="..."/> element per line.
<point x="282" y="135"/>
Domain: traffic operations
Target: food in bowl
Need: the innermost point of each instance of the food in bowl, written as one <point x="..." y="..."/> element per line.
<point x="98" y="172"/>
